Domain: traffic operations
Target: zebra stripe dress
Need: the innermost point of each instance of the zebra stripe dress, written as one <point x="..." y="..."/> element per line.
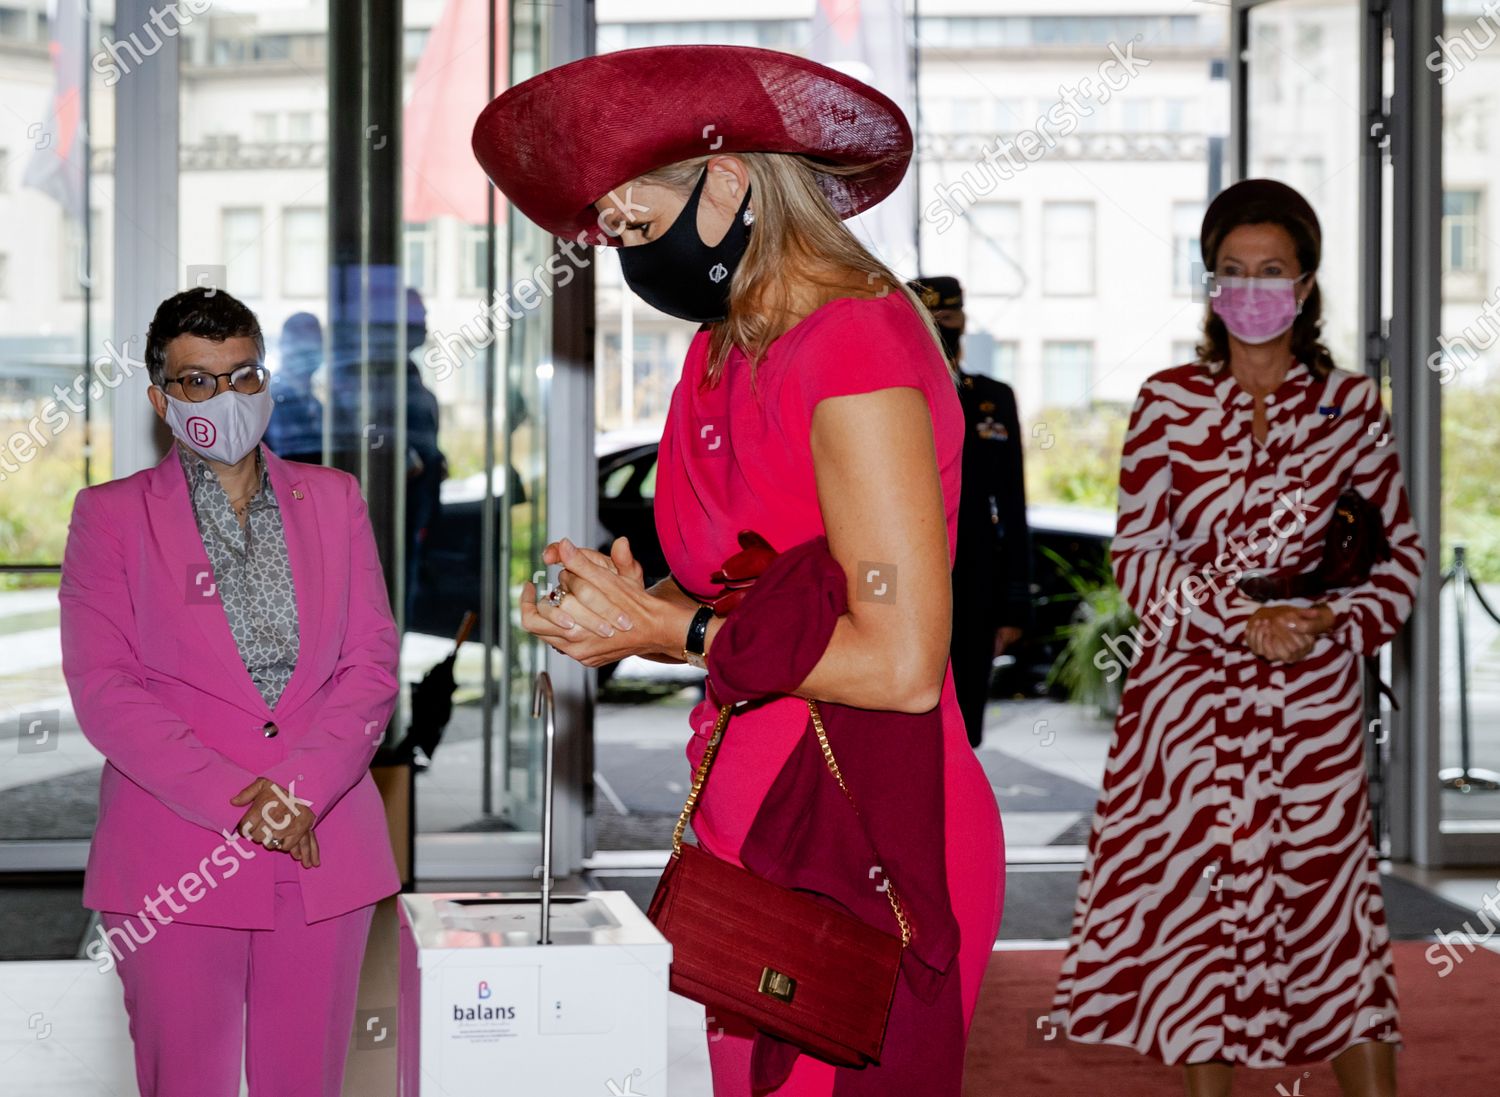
<point x="1230" y="904"/>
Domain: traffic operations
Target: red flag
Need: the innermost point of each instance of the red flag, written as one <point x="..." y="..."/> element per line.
<point x="56" y="167"/>
<point x="440" y="177"/>
<point x="871" y="41"/>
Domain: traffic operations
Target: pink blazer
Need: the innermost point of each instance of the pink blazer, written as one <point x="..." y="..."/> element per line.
<point x="159" y="688"/>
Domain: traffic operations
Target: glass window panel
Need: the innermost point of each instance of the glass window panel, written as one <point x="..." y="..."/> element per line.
<point x="243" y="253"/>
<point x="304" y="253"/>
<point x="1067" y="373"/>
<point x="56" y="308"/>
<point x="1068" y="248"/>
<point x="421" y="256"/>
<point x="996" y="260"/>
<point x="1187" y="258"/>
<point x="1469" y="549"/>
<point x="1303" y="98"/>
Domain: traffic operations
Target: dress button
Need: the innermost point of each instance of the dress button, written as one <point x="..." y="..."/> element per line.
<point x="270" y="730"/>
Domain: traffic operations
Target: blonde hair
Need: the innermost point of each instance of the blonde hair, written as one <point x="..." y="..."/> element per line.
<point x="796" y="231"/>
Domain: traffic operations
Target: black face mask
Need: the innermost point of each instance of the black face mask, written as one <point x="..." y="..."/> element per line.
<point x="681" y="275"/>
<point x="952" y="339"/>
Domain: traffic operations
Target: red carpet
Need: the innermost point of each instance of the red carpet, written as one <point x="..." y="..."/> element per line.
<point x="1452" y="1048"/>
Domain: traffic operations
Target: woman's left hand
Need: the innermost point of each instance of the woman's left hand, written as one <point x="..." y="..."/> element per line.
<point x="600" y="584"/>
<point x="1286" y="633"/>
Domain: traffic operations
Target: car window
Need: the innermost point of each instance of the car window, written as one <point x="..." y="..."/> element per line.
<point x="615" y="482"/>
<point x="648" y="484"/>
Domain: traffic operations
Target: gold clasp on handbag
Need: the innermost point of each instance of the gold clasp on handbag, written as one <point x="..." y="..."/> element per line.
<point x="700" y="776"/>
<point x="778" y="985"/>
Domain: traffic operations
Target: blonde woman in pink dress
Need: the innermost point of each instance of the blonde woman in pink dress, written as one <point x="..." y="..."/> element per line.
<point x="814" y="400"/>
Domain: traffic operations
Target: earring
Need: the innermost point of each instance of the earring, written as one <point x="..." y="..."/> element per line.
<point x="749" y="217"/>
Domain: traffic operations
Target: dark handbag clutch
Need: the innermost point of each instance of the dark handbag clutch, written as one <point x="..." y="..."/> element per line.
<point x="1355" y="541"/>
<point x="809" y="974"/>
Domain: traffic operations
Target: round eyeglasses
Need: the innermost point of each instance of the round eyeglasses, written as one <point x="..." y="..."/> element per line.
<point x="199" y="385"/>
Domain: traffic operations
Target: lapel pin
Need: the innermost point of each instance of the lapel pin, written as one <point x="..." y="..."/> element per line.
<point x="296" y="494"/>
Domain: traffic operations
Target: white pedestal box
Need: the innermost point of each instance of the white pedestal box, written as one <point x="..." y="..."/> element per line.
<point x="488" y="1011"/>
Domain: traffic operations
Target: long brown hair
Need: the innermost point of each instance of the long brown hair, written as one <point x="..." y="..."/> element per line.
<point x="1307" y="329"/>
<point x="796" y="230"/>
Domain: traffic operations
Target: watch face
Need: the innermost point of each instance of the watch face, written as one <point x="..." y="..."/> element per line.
<point x="695" y="660"/>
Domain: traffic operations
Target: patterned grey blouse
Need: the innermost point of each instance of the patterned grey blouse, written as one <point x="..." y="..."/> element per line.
<point x="252" y="572"/>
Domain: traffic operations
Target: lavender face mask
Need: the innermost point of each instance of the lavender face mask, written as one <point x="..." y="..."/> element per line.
<point x="1256" y="310"/>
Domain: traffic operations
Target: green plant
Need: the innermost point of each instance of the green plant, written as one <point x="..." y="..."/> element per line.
<point x="1102" y="612"/>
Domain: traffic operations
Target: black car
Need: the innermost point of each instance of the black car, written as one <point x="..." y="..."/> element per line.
<point x="627" y="493"/>
<point x="1078" y="535"/>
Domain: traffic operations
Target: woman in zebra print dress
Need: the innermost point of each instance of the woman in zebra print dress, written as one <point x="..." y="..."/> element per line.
<point x="1230" y="909"/>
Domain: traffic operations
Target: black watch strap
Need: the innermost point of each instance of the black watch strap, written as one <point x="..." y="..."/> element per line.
<point x="697" y="633"/>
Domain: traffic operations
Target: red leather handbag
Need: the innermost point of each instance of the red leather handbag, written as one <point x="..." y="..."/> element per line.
<point x="816" y="977"/>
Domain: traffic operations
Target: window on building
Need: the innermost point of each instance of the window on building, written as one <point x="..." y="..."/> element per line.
<point x="1067" y="374"/>
<point x="304" y="262"/>
<point x="996" y="264"/>
<point x="299" y="125"/>
<point x="997" y="358"/>
<point x="1461" y="243"/>
<point x="243" y="250"/>
<point x="75" y="252"/>
<point x="1009" y="115"/>
<point x="420" y="255"/>
<point x="476" y="260"/>
<point x="968" y="115"/>
<point x="1139" y="114"/>
<point x="1187" y="260"/>
<point x="1184" y="351"/>
<point x="1068" y="249"/>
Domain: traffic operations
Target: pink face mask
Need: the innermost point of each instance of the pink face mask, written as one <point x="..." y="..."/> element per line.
<point x="1256" y="310"/>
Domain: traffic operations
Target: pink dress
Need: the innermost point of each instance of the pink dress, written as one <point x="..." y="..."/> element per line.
<point x="734" y="459"/>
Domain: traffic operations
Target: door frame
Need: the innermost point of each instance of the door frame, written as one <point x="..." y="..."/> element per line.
<point x="1405" y="132"/>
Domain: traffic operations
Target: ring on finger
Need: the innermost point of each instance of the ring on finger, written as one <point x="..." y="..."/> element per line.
<point x="555" y="595"/>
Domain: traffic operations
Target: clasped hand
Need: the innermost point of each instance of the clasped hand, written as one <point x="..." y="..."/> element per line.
<point x="275" y="815"/>
<point x="606" y="612"/>
<point x="1286" y="633"/>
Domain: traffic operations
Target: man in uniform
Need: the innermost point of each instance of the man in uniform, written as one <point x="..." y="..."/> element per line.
<point x="992" y="564"/>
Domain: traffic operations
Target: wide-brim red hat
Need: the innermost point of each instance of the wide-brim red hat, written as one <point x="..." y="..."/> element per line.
<point x="557" y="143"/>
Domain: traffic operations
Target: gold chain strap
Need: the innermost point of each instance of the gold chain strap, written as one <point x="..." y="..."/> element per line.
<point x="700" y="775"/>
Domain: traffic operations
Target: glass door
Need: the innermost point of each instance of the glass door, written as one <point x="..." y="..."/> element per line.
<point x="57" y="377"/>
<point x="1312" y="90"/>
<point x="1466" y="78"/>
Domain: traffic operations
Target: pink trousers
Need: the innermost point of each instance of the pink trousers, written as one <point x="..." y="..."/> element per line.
<point x="200" y="997"/>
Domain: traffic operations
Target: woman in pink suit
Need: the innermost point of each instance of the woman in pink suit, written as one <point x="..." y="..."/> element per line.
<point x="229" y="647"/>
<point x="815" y="400"/>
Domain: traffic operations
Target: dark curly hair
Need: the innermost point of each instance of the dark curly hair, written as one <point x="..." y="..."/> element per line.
<point x="203" y="311"/>
<point x="1307" y="329"/>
